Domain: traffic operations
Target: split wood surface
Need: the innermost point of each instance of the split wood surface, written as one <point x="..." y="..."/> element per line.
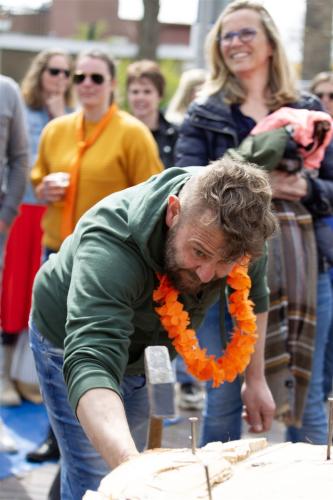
<point x="239" y="469"/>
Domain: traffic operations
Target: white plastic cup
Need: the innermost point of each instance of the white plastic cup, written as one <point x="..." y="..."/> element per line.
<point x="60" y="179"/>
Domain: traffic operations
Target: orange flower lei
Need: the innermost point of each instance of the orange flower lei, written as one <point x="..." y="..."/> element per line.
<point x="238" y="351"/>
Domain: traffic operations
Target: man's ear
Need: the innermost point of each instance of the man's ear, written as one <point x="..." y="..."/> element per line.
<point x="173" y="210"/>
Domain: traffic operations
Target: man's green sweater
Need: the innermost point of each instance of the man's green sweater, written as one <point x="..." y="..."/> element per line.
<point x="94" y="298"/>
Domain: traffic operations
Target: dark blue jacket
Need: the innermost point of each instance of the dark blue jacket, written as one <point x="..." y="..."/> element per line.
<point x="166" y="136"/>
<point x="209" y="130"/>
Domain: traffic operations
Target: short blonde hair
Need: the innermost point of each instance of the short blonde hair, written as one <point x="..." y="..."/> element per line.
<point x="31" y="85"/>
<point x="323" y="77"/>
<point x="281" y="84"/>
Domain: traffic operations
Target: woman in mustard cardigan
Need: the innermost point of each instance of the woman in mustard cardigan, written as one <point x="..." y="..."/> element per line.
<point x="89" y="154"/>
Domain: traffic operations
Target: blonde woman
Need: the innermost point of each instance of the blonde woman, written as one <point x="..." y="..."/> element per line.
<point x="189" y="85"/>
<point x="322" y="87"/>
<point x="47" y="93"/>
<point x="249" y="77"/>
<point x="46" y="90"/>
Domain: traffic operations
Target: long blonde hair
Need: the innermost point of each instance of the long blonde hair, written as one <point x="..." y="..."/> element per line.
<point x="31" y="85"/>
<point x="281" y="83"/>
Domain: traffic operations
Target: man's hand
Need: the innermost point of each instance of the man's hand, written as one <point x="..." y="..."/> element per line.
<point x="257" y="398"/>
<point x="259" y="406"/>
<point x="292" y="187"/>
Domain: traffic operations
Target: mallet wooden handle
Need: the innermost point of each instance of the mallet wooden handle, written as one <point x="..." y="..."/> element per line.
<point x="155" y="433"/>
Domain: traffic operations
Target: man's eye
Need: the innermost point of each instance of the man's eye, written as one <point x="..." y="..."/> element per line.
<point x="199" y="253"/>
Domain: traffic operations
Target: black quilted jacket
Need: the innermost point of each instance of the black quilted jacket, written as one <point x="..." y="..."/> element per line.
<point x="209" y="130"/>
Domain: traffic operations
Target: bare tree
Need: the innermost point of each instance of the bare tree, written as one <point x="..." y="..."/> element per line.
<point x="317" y="37"/>
<point x="149" y="30"/>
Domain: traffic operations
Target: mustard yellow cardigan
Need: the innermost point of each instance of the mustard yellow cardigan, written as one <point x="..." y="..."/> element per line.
<point x="124" y="154"/>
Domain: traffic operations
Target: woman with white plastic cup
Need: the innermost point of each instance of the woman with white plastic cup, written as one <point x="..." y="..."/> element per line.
<point x="79" y="146"/>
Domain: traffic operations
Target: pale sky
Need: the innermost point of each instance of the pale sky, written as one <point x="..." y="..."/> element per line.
<point x="288" y="15"/>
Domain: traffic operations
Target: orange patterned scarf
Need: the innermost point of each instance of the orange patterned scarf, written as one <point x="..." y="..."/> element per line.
<point x="68" y="220"/>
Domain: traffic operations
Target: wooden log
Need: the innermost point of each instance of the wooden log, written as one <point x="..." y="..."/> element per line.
<point x="173" y="474"/>
<point x="290" y="471"/>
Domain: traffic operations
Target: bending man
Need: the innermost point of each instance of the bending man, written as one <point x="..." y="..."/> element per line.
<point x="93" y="311"/>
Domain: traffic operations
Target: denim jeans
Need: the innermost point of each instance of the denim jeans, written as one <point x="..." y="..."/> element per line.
<point x="182" y="375"/>
<point x="314" y="423"/>
<point x="328" y="363"/>
<point x="3" y="238"/>
<point x="222" y="419"/>
<point x="82" y="467"/>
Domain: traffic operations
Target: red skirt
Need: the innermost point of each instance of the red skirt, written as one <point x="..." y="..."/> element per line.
<point x="22" y="261"/>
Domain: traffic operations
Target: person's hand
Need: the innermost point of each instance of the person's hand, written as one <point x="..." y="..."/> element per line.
<point x="286" y="186"/>
<point x="53" y="187"/>
<point x="259" y="406"/>
<point x="55" y="105"/>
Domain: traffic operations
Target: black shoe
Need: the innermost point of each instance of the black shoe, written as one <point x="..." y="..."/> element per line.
<point x="191" y="397"/>
<point x="47" y="451"/>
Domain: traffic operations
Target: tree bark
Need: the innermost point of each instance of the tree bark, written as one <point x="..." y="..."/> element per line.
<point x="149" y="30"/>
<point x="317" y="38"/>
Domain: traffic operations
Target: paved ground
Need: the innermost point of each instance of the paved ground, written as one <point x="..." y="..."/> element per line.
<point x="35" y="485"/>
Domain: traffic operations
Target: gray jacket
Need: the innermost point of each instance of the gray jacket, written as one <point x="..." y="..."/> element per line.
<point x="13" y="149"/>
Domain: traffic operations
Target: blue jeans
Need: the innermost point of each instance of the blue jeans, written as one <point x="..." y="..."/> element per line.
<point x="314" y="423"/>
<point x="182" y="375"/>
<point x="328" y="363"/>
<point x="82" y="467"/>
<point x="222" y="420"/>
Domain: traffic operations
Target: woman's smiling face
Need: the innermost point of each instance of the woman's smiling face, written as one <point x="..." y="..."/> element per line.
<point x="143" y="98"/>
<point x="244" y="57"/>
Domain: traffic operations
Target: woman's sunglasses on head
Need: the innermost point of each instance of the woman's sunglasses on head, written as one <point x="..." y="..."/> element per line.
<point x="97" y="78"/>
<point x="325" y="94"/>
<point x="58" y="71"/>
<point x="245" y="35"/>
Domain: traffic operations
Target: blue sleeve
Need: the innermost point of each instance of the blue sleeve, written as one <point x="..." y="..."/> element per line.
<point x="192" y="144"/>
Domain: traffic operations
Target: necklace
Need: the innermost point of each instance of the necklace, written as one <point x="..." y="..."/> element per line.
<point x="237" y="354"/>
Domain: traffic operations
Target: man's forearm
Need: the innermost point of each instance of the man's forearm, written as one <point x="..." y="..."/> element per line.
<point x="102" y="416"/>
<point x="256" y="367"/>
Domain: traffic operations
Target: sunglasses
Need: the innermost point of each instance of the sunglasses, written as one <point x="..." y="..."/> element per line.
<point x="245" y="35"/>
<point x="58" y="71"/>
<point x="97" y="78"/>
<point x="325" y="94"/>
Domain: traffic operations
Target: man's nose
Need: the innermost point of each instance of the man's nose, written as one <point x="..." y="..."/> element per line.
<point x="206" y="272"/>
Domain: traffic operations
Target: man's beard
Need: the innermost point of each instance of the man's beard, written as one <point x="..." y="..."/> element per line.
<point x="184" y="280"/>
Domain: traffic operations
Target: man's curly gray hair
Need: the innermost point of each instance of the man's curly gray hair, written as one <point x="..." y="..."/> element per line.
<point x="236" y="196"/>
